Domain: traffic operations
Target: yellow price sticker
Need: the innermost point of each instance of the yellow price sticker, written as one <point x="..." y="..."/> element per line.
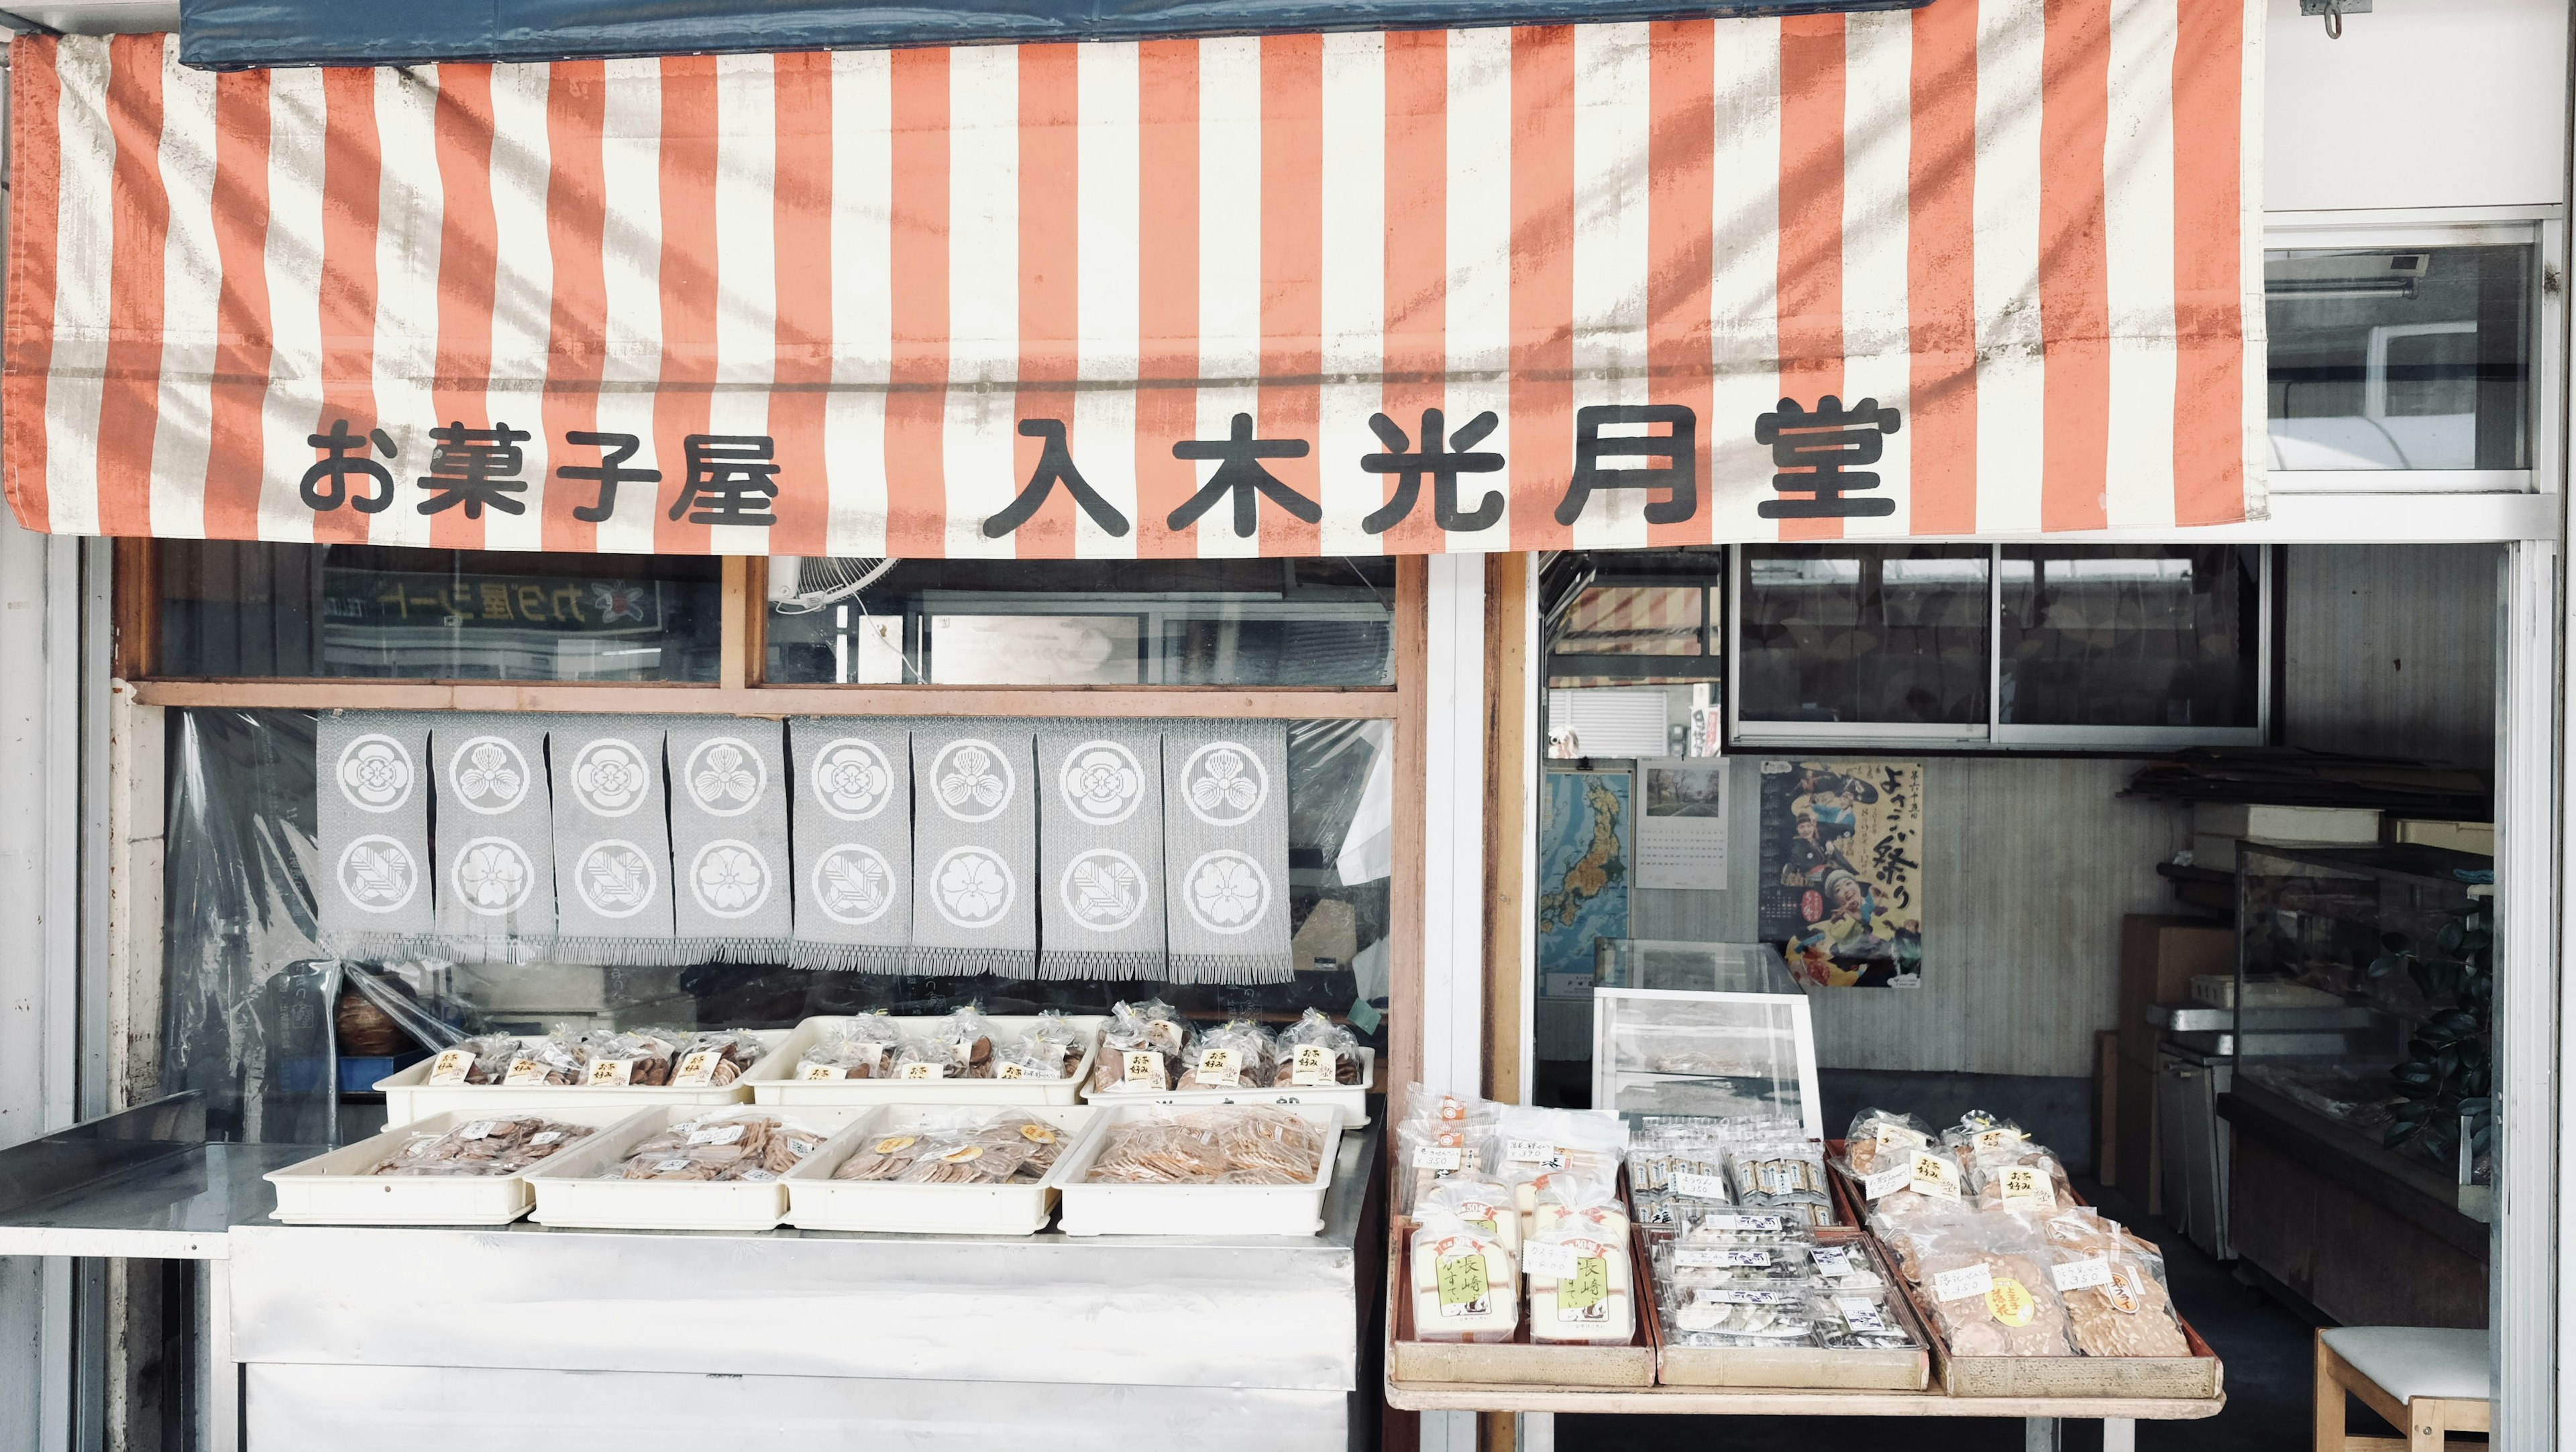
<point x="2010" y="1302"/>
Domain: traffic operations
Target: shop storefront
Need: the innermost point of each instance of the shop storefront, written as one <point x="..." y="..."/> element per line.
<point x="1274" y="576"/>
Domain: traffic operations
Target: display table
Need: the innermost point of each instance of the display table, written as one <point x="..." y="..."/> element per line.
<point x="524" y="1337"/>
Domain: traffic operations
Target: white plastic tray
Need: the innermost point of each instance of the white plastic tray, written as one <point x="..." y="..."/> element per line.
<point x="409" y="1095"/>
<point x="773" y="1080"/>
<point x="816" y="1201"/>
<point x="570" y="1193"/>
<point x="1350" y="1099"/>
<point x="335" y="1189"/>
<point x="1194" y="1209"/>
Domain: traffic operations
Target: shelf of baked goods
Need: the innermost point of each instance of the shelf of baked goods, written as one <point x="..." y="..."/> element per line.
<point x="1735" y="1266"/>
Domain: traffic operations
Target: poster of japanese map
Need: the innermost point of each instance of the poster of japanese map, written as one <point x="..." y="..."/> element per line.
<point x="1842" y="870"/>
<point x="1585" y="829"/>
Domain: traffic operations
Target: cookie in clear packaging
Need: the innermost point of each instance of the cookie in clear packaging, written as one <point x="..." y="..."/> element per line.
<point x="1465" y="1284"/>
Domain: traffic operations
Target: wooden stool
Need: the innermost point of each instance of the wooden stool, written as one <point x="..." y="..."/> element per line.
<point x="2430" y="1381"/>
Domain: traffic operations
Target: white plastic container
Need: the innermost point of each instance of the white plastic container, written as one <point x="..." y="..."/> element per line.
<point x="1118" y="1209"/>
<point x="409" y="1095"/>
<point x="570" y="1192"/>
<point x="335" y="1189"/>
<point x="816" y="1201"/>
<point x="1351" y="1100"/>
<point x="773" y="1080"/>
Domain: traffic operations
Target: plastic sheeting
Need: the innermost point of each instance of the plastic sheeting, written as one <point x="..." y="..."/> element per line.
<point x="238" y="34"/>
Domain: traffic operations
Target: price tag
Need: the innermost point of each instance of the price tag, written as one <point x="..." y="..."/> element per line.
<point x="451" y="1066"/>
<point x="717" y="1134"/>
<point x="922" y="1069"/>
<point x="1893" y="1136"/>
<point x="1756" y="1224"/>
<point x="479" y="1129"/>
<point x="525" y="1071"/>
<point x="1144" y="1069"/>
<point x="1438" y="1157"/>
<point x="672" y="1166"/>
<point x="1888" y="1182"/>
<point x="2011" y="1302"/>
<point x="1548" y="1261"/>
<point x="1990" y="1140"/>
<point x="1165" y="1032"/>
<point x="610" y="1072"/>
<point x="1464" y="1284"/>
<point x="1935" y="1175"/>
<point x="1011" y="1071"/>
<point x="698" y="1070"/>
<point x="800" y="1147"/>
<point x="1960" y="1284"/>
<point x="1583" y="1292"/>
<point x="760" y="1176"/>
<point x="1745" y="1257"/>
<point x="544" y="1137"/>
<point x="1700" y="1257"/>
<point x="1314" y="1067"/>
<point x="2076" y="1275"/>
<point x="1534" y="1152"/>
<point x="1833" y="1260"/>
<point x="1860" y="1315"/>
<point x="1700" y="1187"/>
<point x="2026" y="1182"/>
<point x="1217" y="1070"/>
<point x="821" y="1073"/>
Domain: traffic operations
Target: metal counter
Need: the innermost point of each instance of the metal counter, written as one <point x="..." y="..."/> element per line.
<point x="397" y="1338"/>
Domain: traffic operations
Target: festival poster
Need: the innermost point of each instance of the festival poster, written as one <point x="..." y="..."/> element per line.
<point x="1842" y="870"/>
<point x="1585" y="828"/>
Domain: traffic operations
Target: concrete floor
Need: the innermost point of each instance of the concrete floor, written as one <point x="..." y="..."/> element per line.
<point x="2266" y="1348"/>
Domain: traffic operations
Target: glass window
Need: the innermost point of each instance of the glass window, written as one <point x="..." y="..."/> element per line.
<point x="2131" y="635"/>
<point x="1886" y="635"/>
<point x="1635" y="620"/>
<point x="255" y="610"/>
<point x="2399" y="358"/>
<point x="1312" y="622"/>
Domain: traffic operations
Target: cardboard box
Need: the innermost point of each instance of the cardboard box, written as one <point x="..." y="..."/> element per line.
<point x="2472" y="837"/>
<point x="2159" y="956"/>
<point x="2288" y="826"/>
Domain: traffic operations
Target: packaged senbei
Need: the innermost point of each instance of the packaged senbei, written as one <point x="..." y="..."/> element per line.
<point x="1483" y="1205"/>
<point x="1581" y="1285"/>
<point x="1465" y="1283"/>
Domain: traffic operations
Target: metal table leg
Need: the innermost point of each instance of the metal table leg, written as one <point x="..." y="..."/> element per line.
<point x="2119" y="1434"/>
<point x="2039" y="1434"/>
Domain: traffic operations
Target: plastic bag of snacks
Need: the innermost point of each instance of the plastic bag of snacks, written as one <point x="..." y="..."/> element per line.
<point x="481" y="1060"/>
<point x="2114" y="1287"/>
<point x="712" y="1060"/>
<point x="1985" y="1281"/>
<point x="641" y="1057"/>
<point x="1030" y="1058"/>
<point x="1526" y="1143"/>
<point x="968" y="1037"/>
<point x="1237" y="1054"/>
<point x="1317" y="1053"/>
<point x="1441" y="1135"/>
<point x="1782" y="1172"/>
<point x="1466" y="1282"/>
<point x="972" y="1149"/>
<point x="494" y="1146"/>
<point x="1845" y="1322"/>
<point x="1676" y="1168"/>
<point x="551" y="1060"/>
<point x="861" y="1049"/>
<point x="1480" y="1204"/>
<point x="1140" y="1049"/>
<point x="1582" y="1287"/>
<point x="735" y="1144"/>
<point x="2026" y="1179"/>
<point x="1235" y="1144"/>
<point x="922" y="1056"/>
<point x="1054" y="1039"/>
<point x="1878" y="1137"/>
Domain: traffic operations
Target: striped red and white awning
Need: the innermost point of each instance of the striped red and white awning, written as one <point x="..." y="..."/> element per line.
<point x="874" y="295"/>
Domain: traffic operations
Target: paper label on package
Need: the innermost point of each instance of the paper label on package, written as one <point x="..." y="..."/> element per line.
<point x="1144" y="1069"/>
<point x="607" y="1072"/>
<point x="1534" y="1152"/>
<point x="2122" y="1290"/>
<point x="760" y="1177"/>
<point x="698" y="1070"/>
<point x="1935" y="1175"/>
<point x="893" y="1143"/>
<point x="1548" y="1260"/>
<point x="1010" y="1071"/>
<point x="1990" y="1140"/>
<point x="672" y="1166"/>
<point x="962" y="1154"/>
<point x="1438" y="1157"/>
<point x="544" y="1137"/>
<point x="1746" y="1296"/>
<point x="822" y="1072"/>
<point x="1893" y="1136"/>
<point x="921" y="1069"/>
<point x="1314" y="1068"/>
<point x="1038" y="1133"/>
<point x="1579" y="1296"/>
<point x="1860" y="1315"/>
<point x="2011" y="1302"/>
<point x="1700" y="1187"/>
<point x="1960" y="1284"/>
<point x="1165" y="1032"/>
<point x="1750" y="1257"/>
<point x="2075" y="1275"/>
<point x="1217" y="1070"/>
<point x="1464" y="1284"/>
<point x="1755" y="1224"/>
<point x="525" y="1071"/>
<point x="1888" y="1182"/>
<point x="479" y="1129"/>
<point x="2027" y="1182"/>
<point x="717" y="1134"/>
<point x="451" y="1066"/>
<point x="1834" y="1260"/>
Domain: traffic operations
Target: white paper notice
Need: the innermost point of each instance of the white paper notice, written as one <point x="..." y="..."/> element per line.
<point x="1681" y="835"/>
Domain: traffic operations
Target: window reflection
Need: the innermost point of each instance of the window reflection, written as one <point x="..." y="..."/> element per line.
<point x="2399" y="358"/>
<point x="2151" y="635"/>
<point x="1879" y="634"/>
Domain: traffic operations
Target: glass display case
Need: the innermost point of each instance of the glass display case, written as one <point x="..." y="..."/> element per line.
<point x="1724" y="1030"/>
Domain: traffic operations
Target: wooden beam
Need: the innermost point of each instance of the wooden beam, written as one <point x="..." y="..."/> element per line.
<point x="604" y="696"/>
<point x="733" y="635"/>
<point x="1405" y="900"/>
<point x="1508" y="754"/>
<point x="136" y="591"/>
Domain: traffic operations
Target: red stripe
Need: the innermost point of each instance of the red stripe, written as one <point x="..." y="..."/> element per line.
<point x="2209" y="281"/>
<point x="916" y="407"/>
<point x="1541" y="423"/>
<point x="688" y="287"/>
<point x="35" y="106"/>
<point x="461" y="131"/>
<point x="1811" y="224"/>
<point x="1167" y="290"/>
<point x="139" y="229"/>
<point x="352" y="181"/>
<point x="1681" y="189"/>
<point x="1941" y="272"/>
<point x="1050" y="272"/>
<point x="576" y="342"/>
<point x="2074" y="264"/>
<point x="804" y="308"/>
<point x="1416" y="338"/>
<point x="233" y="453"/>
<point x="1292" y="277"/>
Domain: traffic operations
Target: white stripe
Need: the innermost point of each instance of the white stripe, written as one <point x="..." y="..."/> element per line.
<point x="2012" y="414"/>
<point x="523" y="282"/>
<point x="1229" y="265"/>
<point x="746" y="268"/>
<point x="1878" y="135"/>
<point x="1106" y="201"/>
<point x="84" y="240"/>
<point x="1611" y="81"/>
<point x="630" y="164"/>
<point x="408" y="209"/>
<point x="191" y="284"/>
<point x="980" y="440"/>
<point x="2249" y="182"/>
<point x="862" y="300"/>
<point x="1354" y="291"/>
<point x="1479" y="302"/>
<point x="293" y="403"/>
<point x="1744" y="281"/>
<point x="2138" y="185"/>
